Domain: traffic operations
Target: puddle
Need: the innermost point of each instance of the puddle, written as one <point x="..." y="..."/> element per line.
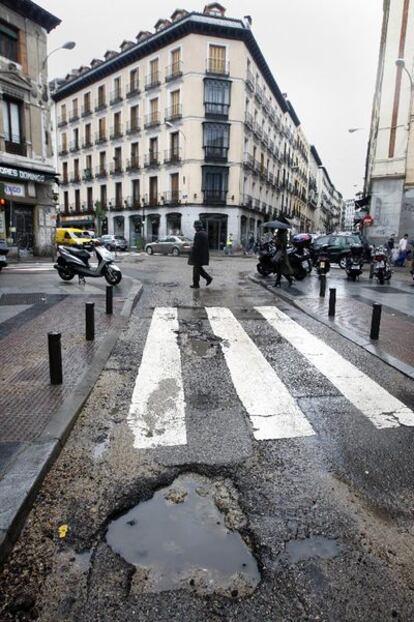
<point x="311" y="548"/>
<point x="82" y="560"/>
<point x="181" y="539"/>
<point x="203" y="348"/>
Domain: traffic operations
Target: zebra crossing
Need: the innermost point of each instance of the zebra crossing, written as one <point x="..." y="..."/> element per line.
<point x="157" y="412"/>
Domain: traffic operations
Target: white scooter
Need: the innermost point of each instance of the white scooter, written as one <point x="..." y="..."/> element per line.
<point x="72" y="261"/>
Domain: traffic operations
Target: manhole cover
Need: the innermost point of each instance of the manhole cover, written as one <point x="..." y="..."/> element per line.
<point x="186" y="537"/>
<point x="23" y="299"/>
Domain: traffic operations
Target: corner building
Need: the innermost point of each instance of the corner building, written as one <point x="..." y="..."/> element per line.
<point x="185" y="123"/>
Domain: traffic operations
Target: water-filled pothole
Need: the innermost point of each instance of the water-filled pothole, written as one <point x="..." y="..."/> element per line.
<point x="186" y="536"/>
<point x="311" y="548"/>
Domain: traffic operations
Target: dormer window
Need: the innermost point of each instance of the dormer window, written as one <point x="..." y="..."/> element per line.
<point x="214" y="8"/>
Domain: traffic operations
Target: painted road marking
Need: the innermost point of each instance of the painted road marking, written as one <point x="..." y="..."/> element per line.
<point x="273" y="411"/>
<point x="157" y="411"/>
<point x="383" y="409"/>
<point x="41" y="268"/>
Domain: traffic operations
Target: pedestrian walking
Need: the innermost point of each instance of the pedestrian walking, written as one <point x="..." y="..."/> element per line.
<point x="391" y="243"/>
<point x="229" y="244"/>
<point x="403" y="249"/>
<point x="280" y="258"/>
<point x="250" y="245"/>
<point x="199" y="256"/>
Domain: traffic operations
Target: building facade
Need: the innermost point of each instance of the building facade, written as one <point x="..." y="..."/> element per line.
<point x="389" y="179"/>
<point x="27" y="175"/>
<point x="185" y="123"/>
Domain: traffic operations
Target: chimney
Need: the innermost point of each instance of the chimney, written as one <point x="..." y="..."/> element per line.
<point x="248" y="20"/>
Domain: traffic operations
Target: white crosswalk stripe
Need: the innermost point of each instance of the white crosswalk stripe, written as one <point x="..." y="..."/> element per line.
<point x="272" y="410"/>
<point x="157" y="411"/>
<point x="383" y="409"/>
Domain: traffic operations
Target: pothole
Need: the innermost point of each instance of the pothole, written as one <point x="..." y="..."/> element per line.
<point x="187" y="536"/>
<point x="311" y="548"/>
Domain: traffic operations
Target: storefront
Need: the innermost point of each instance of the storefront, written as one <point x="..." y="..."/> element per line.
<point x="28" y="213"/>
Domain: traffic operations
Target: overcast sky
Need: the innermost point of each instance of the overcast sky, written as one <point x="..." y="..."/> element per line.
<point x="323" y="54"/>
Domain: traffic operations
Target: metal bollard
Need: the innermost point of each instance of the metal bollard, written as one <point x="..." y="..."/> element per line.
<point x="332" y="301"/>
<point x="55" y="357"/>
<point x="109" y="299"/>
<point x="90" y="321"/>
<point x="376" y="320"/>
<point x="322" y="289"/>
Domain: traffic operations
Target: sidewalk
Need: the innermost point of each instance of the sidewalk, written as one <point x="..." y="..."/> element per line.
<point x="36" y="417"/>
<point x="354" y="301"/>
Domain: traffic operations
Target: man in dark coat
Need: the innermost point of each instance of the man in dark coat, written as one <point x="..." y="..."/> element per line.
<point x="199" y="256"/>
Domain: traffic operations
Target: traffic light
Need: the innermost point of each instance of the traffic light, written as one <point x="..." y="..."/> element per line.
<point x="2" y="196"/>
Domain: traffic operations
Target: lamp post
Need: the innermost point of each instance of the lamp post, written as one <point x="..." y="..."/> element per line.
<point x="69" y="45"/>
<point x="400" y="62"/>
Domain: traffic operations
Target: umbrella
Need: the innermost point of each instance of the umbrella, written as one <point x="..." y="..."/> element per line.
<point x="277" y="224"/>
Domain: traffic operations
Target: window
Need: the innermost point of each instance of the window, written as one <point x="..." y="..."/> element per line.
<point x="154" y="71"/>
<point x="89" y="198"/>
<point x="65" y="172"/>
<point x="216" y="140"/>
<point x="133" y="117"/>
<point x="154" y="107"/>
<point x="174" y="184"/>
<point x="217" y="97"/>
<point x="153" y="151"/>
<point x="153" y="191"/>
<point x="135" y="193"/>
<point x="117" y="124"/>
<point x="133" y="80"/>
<point x="77" y="200"/>
<point x="87" y="134"/>
<point x="63" y="113"/>
<point x="76" y="170"/>
<point x="75" y="112"/>
<point x="9" y="43"/>
<point x="104" y="196"/>
<point x="66" y="201"/>
<point x="87" y="102"/>
<point x="175" y="62"/>
<point x="102" y="129"/>
<point x="88" y="169"/>
<point x="174" y="145"/>
<point x="118" y="159"/>
<point x="215" y="184"/>
<point x="118" y="194"/>
<point x="12" y="121"/>
<point x="101" y="95"/>
<point x="217" y="59"/>
<point x="102" y="162"/>
<point x="134" y="151"/>
<point x="175" y="104"/>
<point x="75" y="139"/>
<point x="117" y="88"/>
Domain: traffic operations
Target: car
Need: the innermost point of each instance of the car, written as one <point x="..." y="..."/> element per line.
<point x="174" y="244"/>
<point x="114" y="242"/>
<point x="338" y="246"/>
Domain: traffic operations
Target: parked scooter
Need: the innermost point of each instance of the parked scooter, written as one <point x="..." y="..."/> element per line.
<point x="380" y="266"/>
<point x="322" y="262"/>
<point x="299" y="255"/>
<point x="266" y="266"/>
<point x="72" y="261"/>
<point x="354" y="262"/>
<point x="4" y="249"/>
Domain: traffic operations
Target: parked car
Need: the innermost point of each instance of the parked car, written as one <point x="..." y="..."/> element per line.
<point x="114" y="242"/>
<point x="174" y="244"/>
<point x="69" y="236"/>
<point x="338" y="246"/>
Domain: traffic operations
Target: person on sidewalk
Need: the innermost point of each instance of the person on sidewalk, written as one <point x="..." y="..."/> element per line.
<point x="403" y="248"/>
<point x="229" y="244"/>
<point x="199" y="256"/>
<point x="280" y="259"/>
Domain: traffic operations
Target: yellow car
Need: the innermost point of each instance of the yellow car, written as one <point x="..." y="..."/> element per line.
<point x="72" y="237"/>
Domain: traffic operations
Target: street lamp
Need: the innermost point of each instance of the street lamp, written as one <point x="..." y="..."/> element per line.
<point x="69" y="45"/>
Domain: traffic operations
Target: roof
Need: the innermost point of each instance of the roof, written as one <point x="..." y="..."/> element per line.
<point x="316" y="155"/>
<point x="34" y="12"/>
<point x="292" y="113"/>
<point x="192" y="23"/>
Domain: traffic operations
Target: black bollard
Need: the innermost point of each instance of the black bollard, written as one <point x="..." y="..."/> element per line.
<point x="322" y="289"/>
<point x="90" y="321"/>
<point x="109" y="296"/>
<point x="332" y="301"/>
<point x="376" y="320"/>
<point x="55" y="357"/>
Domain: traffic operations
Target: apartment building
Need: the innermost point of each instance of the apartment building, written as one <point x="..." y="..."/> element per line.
<point x="27" y="175"/>
<point x="389" y="181"/>
<point x="185" y="123"/>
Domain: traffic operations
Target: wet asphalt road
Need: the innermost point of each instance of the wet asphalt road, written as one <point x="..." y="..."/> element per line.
<point x="328" y="517"/>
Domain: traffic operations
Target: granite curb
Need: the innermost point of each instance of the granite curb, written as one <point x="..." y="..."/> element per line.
<point x="363" y="342"/>
<point x="25" y="474"/>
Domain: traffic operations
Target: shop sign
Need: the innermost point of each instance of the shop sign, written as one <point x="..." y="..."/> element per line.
<point x="14" y="190"/>
<point x="22" y="175"/>
<point x="76" y="218"/>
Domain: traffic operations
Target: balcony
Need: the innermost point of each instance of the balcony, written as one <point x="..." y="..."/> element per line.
<point x="62" y="150"/>
<point x="117" y="204"/>
<point x="214" y="197"/>
<point x="271" y="146"/>
<point x="259" y="94"/>
<point x="87" y="174"/>
<point x="216" y="110"/>
<point x="100" y="104"/>
<point x="133" y="90"/>
<point x="116" y="168"/>
<point x="256" y="204"/>
<point x="266" y="139"/>
<point x="263" y="173"/>
<point x="172" y="197"/>
<point x="174" y="71"/>
<point x="266" y="105"/>
<point x="172" y="156"/>
<point x="16" y="147"/>
<point x="248" y="161"/>
<point x="116" y="132"/>
<point x="249" y="122"/>
<point x="116" y="97"/>
<point x="153" y="200"/>
<point x="215" y="154"/>
<point x="247" y="200"/>
<point x="250" y="81"/>
<point x="217" y="66"/>
<point x="133" y="128"/>
<point x="152" y="120"/>
<point x="100" y="138"/>
<point x="64" y="181"/>
<point x="151" y="160"/>
<point x="270" y="179"/>
<point x="86" y="111"/>
<point x="74" y="146"/>
<point x="87" y="143"/>
<point x="174" y="113"/>
<point x="75" y="178"/>
<point x="101" y="171"/>
<point x="152" y="80"/>
<point x="62" y="121"/>
<point x="74" y="115"/>
<point x="258" y="130"/>
<point x="133" y="164"/>
<point x="133" y="202"/>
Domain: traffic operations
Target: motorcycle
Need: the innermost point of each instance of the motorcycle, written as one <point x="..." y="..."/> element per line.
<point x="299" y="255"/>
<point x="4" y="249"/>
<point x="266" y="266"/>
<point x="354" y="262"/>
<point x="322" y="262"/>
<point x="380" y="266"/>
<point x="72" y="261"/>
